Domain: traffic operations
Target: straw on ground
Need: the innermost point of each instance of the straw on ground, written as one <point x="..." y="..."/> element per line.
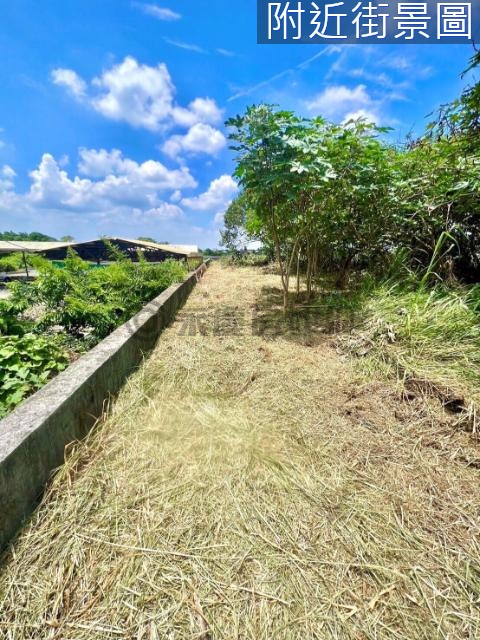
<point x="254" y="487"/>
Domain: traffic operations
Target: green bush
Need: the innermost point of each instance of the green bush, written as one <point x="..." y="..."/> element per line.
<point x="11" y="263"/>
<point x="80" y="306"/>
<point x="90" y="303"/>
<point x="26" y="364"/>
<point x="10" y="323"/>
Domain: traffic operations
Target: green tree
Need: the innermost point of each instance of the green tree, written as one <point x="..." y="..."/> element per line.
<point x="275" y="159"/>
<point x="234" y="235"/>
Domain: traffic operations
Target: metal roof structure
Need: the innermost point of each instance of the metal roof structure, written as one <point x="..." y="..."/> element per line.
<point x="97" y="250"/>
<point x="9" y="246"/>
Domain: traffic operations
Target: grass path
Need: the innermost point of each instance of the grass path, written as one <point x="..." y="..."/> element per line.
<point x="253" y="487"/>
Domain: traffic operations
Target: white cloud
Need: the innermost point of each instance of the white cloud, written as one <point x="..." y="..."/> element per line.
<point x="341" y="104"/>
<point x="69" y="79"/>
<point x="219" y="219"/>
<point x="200" y="139"/>
<point x="379" y="78"/>
<point x="362" y="114"/>
<point x="7" y="178"/>
<point x="339" y="98"/>
<point x="140" y="95"/>
<point x="216" y="199"/>
<point x="125" y="197"/>
<point x="247" y="91"/>
<point x="100" y="163"/>
<point x="188" y="46"/>
<point x="199" y="110"/>
<point x="135" y="93"/>
<point x="130" y="202"/>
<point x="397" y="62"/>
<point x="165" y="211"/>
<point x="160" y="13"/>
<point x="124" y="183"/>
<point x="226" y="52"/>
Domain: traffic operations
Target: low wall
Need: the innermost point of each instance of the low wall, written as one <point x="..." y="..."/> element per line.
<point x="33" y="437"/>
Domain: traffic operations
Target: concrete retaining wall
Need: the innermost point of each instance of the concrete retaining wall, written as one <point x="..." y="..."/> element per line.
<point x="33" y="437"/>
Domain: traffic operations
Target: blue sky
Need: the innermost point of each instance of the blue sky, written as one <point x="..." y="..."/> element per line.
<point x="112" y="111"/>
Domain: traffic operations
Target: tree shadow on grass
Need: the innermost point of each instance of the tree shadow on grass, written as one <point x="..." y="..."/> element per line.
<point x="308" y="322"/>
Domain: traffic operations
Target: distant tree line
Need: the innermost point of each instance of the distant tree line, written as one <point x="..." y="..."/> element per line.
<point x="33" y="236"/>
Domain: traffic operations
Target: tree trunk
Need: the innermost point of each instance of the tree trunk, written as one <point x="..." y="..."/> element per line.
<point x="298" y="273"/>
<point x="342" y="275"/>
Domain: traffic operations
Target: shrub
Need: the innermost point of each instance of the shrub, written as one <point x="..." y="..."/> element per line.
<point x="87" y="303"/>
<point x="12" y="262"/>
<point x="26" y="364"/>
<point x="10" y="323"/>
<point x="90" y="302"/>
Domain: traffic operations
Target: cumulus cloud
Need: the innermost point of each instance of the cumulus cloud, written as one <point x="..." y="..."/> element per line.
<point x="70" y="80"/>
<point x="7" y="178"/>
<point x="199" y="110"/>
<point x="110" y="191"/>
<point x="339" y="98"/>
<point x="124" y="183"/>
<point x="135" y="93"/>
<point x="361" y="114"/>
<point x="216" y="199"/>
<point x="141" y="95"/>
<point x="160" y="13"/>
<point x="341" y="104"/>
<point x="201" y="138"/>
<point x="98" y="163"/>
<point x="165" y="211"/>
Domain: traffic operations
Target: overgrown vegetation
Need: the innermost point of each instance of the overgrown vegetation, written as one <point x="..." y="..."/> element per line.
<point x="433" y="334"/>
<point x="16" y="262"/>
<point x="73" y="308"/>
<point x="397" y="226"/>
<point x="327" y="197"/>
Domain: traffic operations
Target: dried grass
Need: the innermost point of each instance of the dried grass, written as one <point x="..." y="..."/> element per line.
<point x="254" y="487"/>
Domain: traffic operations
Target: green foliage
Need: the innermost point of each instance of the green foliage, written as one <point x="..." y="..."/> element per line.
<point x="11" y="262"/>
<point x="247" y="259"/>
<point x="34" y="236"/>
<point x="234" y="235"/>
<point x="10" y="323"/>
<point x="459" y="121"/>
<point x="90" y="303"/>
<point x="149" y="239"/>
<point x="16" y="262"/>
<point x="214" y="252"/>
<point x="310" y="188"/>
<point x="338" y="197"/>
<point x="429" y="333"/>
<point x="26" y="364"/>
<point x="81" y="306"/>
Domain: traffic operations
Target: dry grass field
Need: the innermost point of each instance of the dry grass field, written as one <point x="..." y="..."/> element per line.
<point x="254" y="485"/>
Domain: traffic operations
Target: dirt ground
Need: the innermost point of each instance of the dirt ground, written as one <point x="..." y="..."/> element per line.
<point x="253" y="482"/>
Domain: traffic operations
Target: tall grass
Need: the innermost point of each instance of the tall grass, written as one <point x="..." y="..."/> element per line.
<point x="433" y="333"/>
